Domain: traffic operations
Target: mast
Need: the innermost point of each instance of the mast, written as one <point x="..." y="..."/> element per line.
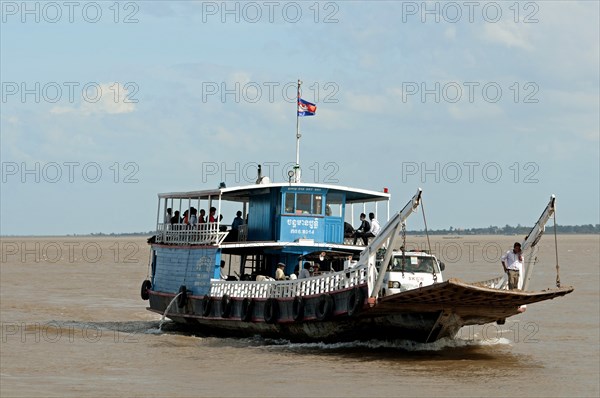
<point x="297" y="173"/>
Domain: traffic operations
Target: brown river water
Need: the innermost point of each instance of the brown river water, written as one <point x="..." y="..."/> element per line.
<point x="73" y="324"/>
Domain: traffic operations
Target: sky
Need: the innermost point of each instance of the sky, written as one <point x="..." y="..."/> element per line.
<point x="489" y="107"/>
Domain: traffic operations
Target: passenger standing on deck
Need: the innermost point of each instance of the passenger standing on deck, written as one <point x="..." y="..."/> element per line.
<point x="362" y="230"/>
<point x="193" y="218"/>
<point x="235" y="225"/>
<point x="202" y="218"/>
<point x="512" y="262"/>
<point x="280" y="273"/>
<point x="305" y="273"/>
<point x="175" y="219"/>
<point x="212" y="215"/>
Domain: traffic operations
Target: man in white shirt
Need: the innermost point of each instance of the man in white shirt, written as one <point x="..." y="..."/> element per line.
<point x="512" y="262"/>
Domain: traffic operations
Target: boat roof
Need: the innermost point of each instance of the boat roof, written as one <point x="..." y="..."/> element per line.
<point x="243" y="193"/>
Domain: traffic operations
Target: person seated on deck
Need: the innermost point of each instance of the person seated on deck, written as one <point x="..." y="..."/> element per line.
<point x="348" y="230"/>
<point x="305" y="273"/>
<point x="280" y="273"/>
<point x="202" y="218"/>
<point x="168" y="216"/>
<point x="362" y="230"/>
<point x="294" y="275"/>
<point x="175" y="219"/>
<point x="374" y="231"/>
<point x="185" y="217"/>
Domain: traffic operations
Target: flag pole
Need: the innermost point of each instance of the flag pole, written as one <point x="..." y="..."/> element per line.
<point x="298" y="135"/>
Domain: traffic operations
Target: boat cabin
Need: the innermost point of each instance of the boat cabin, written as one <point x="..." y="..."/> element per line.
<point x="280" y="222"/>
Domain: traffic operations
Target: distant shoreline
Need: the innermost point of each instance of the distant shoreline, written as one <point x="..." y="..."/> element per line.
<point x="410" y="233"/>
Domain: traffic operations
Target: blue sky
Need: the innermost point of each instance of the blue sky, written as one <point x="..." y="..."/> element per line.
<point x="489" y="107"/>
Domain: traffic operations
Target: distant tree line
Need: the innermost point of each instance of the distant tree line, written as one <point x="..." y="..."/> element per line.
<point x="510" y="230"/>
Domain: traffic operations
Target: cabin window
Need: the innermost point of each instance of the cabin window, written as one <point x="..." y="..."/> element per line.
<point x="303" y="203"/>
<point x="290" y="203"/>
<point x="334" y="205"/>
<point x="317" y="204"/>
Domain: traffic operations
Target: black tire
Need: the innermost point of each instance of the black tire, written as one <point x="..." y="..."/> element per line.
<point x="247" y="308"/>
<point x="206" y="305"/>
<point x="271" y="310"/>
<point x="356" y="300"/>
<point x="324" y="308"/>
<point x="146" y="285"/>
<point x="298" y="308"/>
<point x="225" y="306"/>
<point x="182" y="298"/>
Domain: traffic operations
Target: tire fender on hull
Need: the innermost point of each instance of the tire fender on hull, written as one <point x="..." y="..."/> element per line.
<point x="247" y="308"/>
<point x="206" y="306"/>
<point x="182" y="298"/>
<point x="146" y="285"/>
<point x="225" y="306"/>
<point x="271" y="310"/>
<point x="356" y="299"/>
<point x="324" y="308"/>
<point x="298" y="308"/>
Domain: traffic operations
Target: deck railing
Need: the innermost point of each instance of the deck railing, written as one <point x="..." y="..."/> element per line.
<point x="183" y="234"/>
<point x="290" y="288"/>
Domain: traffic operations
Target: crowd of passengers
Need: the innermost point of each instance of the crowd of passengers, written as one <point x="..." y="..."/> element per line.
<point x="191" y="219"/>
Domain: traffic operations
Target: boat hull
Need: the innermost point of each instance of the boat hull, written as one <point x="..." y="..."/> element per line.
<point x="423" y="315"/>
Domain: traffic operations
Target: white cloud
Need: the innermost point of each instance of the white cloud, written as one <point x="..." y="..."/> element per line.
<point x="105" y="98"/>
<point x="509" y="34"/>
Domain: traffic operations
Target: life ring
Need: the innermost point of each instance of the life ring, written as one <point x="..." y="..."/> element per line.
<point x="225" y="306"/>
<point x="206" y="304"/>
<point x="271" y="310"/>
<point x="356" y="299"/>
<point x="298" y="308"/>
<point x="324" y="307"/>
<point x="146" y="285"/>
<point x="247" y="307"/>
<point x="182" y="298"/>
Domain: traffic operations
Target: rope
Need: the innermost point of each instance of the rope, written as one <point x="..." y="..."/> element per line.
<point x="428" y="242"/>
<point x="403" y="247"/>
<point x="556" y="251"/>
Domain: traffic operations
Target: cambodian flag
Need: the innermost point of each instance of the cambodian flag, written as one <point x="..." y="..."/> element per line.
<point x="306" y="108"/>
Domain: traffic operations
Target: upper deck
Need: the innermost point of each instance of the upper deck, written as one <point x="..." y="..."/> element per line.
<point x="271" y="212"/>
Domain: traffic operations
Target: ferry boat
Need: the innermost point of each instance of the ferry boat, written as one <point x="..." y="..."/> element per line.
<point x="378" y="291"/>
<point x="220" y="278"/>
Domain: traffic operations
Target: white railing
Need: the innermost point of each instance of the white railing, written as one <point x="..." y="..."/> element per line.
<point x="183" y="234"/>
<point x="315" y="285"/>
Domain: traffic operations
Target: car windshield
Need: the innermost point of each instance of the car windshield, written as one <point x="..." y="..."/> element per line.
<point x="413" y="264"/>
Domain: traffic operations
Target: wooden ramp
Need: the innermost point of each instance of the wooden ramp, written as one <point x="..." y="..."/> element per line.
<point x="471" y="303"/>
